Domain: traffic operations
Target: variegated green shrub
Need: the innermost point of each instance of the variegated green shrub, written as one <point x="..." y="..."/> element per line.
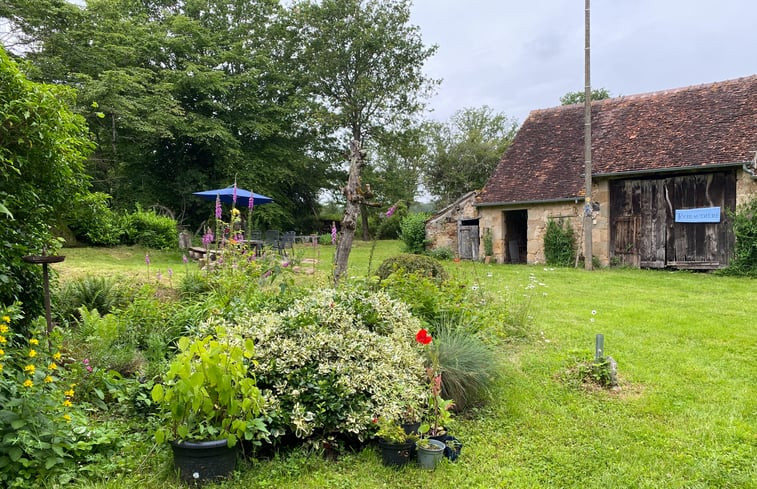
<point x="334" y="361"/>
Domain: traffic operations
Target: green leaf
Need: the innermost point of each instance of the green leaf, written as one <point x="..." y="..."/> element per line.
<point x="157" y="393"/>
<point x="15" y="453"/>
<point x="4" y="210"/>
<point x="18" y="423"/>
<point x="52" y="461"/>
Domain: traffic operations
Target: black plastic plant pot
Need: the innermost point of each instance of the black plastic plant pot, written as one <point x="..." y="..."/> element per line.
<point x="396" y="454"/>
<point x="203" y="461"/>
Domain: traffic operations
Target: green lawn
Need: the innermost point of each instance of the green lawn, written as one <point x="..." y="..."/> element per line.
<point x="686" y="416"/>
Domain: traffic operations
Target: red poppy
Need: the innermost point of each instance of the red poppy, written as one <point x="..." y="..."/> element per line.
<point x="423" y="337"/>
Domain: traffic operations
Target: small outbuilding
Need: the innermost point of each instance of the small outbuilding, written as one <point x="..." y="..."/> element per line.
<point x="456" y="227"/>
<point x="667" y="168"/>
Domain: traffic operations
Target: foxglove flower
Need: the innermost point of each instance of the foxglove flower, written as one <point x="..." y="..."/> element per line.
<point x="333" y="233"/>
<point x="218" y="206"/>
<point x="391" y="211"/>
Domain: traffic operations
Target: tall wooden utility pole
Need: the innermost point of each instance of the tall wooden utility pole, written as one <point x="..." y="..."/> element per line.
<point x="588" y="254"/>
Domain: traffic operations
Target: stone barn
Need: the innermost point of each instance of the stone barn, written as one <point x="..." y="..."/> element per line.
<point x="456" y="227"/>
<point x="667" y="168"/>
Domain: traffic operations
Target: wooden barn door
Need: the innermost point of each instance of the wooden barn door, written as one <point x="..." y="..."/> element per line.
<point x="700" y="245"/>
<point x="468" y="239"/>
<point x="643" y="231"/>
<point x="637" y="215"/>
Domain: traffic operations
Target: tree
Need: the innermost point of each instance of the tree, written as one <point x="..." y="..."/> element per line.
<point x="571" y="98"/>
<point x="43" y="146"/>
<point x="364" y="63"/>
<point x="465" y="151"/>
<point x="187" y="95"/>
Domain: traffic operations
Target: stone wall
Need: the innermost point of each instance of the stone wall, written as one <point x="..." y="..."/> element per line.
<point x="746" y="187"/>
<point x="441" y="229"/>
<point x="572" y="212"/>
<point x="539" y="215"/>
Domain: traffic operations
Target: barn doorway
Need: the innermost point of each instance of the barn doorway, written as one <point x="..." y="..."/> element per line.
<point x="646" y="233"/>
<point x="468" y="239"/>
<point x="516" y="236"/>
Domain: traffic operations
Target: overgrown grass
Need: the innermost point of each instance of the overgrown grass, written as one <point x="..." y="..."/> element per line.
<point x="686" y="416"/>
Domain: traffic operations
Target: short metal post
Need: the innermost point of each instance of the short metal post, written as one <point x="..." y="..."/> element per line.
<point x="599" y="348"/>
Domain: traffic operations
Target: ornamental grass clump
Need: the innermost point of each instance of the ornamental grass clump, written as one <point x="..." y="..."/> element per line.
<point x="333" y="361"/>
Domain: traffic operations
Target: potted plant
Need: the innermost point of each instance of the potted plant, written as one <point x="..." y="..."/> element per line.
<point x="396" y="444"/>
<point x="430" y="450"/>
<point x="210" y="401"/>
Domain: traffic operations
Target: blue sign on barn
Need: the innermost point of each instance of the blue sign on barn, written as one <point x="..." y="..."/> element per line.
<point x="703" y="214"/>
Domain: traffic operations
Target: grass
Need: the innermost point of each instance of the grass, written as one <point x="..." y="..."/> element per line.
<point x="686" y="416"/>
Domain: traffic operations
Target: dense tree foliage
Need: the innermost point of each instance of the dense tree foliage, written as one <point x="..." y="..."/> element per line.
<point x="43" y="146"/>
<point x="363" y="61"/>
<point x="579" y="97"/>
<point x="464" y="151"/>
<point x="185" y="96"/>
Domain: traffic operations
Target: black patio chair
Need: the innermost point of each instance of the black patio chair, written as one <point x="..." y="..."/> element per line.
<point x="287" y="241"/>
<point x="273" y="239"/>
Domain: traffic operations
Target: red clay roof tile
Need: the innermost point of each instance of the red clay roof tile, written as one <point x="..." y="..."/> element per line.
<point x="693" y="126"/>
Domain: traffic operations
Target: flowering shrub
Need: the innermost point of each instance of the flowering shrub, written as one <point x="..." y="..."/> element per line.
<point x="39" y="419"/>
<point x="334" y="361"/>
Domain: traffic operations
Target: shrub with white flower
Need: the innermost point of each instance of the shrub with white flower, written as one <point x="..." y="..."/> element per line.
<point x="334" y="361"/>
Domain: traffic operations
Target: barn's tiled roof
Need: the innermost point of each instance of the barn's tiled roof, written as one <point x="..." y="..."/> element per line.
<point x="703" y="125"/>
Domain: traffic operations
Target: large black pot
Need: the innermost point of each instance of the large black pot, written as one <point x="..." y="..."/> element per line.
<point x="396" y="454"/>
<point x="203" y="461"/>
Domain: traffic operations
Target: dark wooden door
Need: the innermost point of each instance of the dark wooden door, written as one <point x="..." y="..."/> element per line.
<point x="467" y="242"/>
<point x="700" y="245"/>
<point x="643" y="228"/>
<point x="638" y="217"/>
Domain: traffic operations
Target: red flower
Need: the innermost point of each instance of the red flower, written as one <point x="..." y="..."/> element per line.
<point x="423" y="337"/>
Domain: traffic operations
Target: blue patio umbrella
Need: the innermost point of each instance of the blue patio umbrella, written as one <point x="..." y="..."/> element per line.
<point x="226" y="195"/>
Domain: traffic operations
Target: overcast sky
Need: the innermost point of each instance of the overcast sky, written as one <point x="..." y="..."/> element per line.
<point x="524" y="55"/>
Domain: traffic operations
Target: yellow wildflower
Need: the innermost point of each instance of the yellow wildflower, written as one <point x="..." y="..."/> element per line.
<point x="32" y="353"/>
<point x="52" y="366"/>
<point x="28" y="383"/>
<point x="7" y="319"/>
<point x="67" y="418"/>
<point x="1" y="367"/>
<point x="34" y="341"/>
<point x="3" y="328"/>
<point x="56" y="356"/>
<point x="3" y="340"/>
<point x="67" y="403"/>
<point x="30" y="369"/>
<point x="69" y="393"/>
<point x="48" y="379"/>
<point x="2" y="352"/>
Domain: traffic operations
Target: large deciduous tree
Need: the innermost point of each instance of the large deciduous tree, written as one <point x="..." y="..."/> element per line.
<point x="464" y="151"/>
<point x="363" y="61"/>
